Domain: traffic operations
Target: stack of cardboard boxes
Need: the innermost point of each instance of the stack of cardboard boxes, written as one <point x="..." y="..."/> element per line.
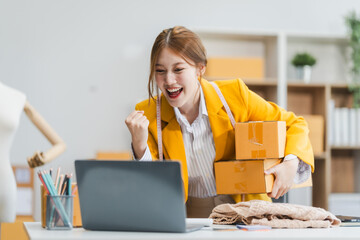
<point x="259" y="146"/>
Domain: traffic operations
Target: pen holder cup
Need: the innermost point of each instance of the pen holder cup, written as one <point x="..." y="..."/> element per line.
<point x="76" y="207"/>
<point x="59" y="212"/>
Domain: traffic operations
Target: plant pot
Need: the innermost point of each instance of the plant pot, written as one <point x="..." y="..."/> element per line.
<point x="304" y="73"/>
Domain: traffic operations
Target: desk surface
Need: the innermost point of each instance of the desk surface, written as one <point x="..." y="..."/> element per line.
<point x="36" y="232"/>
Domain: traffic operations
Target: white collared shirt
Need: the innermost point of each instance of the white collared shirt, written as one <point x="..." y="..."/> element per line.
<point x="200" y="153"/>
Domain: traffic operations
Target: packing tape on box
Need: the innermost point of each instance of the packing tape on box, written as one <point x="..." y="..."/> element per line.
<point x="255" y="136"/>
<point x="239" y="167"/>
<point x="241" y="187"/>
<point x="258" y="154"/>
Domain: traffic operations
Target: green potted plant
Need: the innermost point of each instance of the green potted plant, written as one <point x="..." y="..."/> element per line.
<point x="303" y="63"/>
<point x="353" y="24"/>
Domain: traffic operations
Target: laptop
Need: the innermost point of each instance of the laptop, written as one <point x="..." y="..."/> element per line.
<point x="132" y="196"/>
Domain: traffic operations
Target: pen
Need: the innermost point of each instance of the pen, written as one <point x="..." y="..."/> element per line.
<point x="42" y="180"/>
<point x="57" y="178"/>
<point x="60" y="183"/>
<point x="69" y="185"/>
<point x="63" y="187"/>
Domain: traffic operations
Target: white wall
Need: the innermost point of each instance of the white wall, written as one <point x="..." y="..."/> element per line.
<point x="84" y="64"/>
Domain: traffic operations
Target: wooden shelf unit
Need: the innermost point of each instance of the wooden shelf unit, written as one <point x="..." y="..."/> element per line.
<point x="334" y="168"/>
<point x="329" y="77"/>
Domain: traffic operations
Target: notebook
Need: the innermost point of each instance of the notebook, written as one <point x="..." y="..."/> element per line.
<point x="132" y="196"/>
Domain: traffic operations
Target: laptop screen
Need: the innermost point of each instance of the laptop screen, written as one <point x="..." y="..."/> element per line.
<point x="131" y="195"/>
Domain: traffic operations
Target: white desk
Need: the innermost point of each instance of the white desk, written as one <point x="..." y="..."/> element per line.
<point x="36" y="232"/>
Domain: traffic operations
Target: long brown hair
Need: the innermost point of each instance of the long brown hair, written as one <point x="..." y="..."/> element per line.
<point x="183" y="42"/>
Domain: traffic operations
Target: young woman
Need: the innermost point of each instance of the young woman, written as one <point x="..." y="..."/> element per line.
<point x="196" y="128"/>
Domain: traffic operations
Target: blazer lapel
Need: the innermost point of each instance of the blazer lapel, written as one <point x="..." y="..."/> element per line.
<point x="218" y="118"/>
<point x="172" y="137"/>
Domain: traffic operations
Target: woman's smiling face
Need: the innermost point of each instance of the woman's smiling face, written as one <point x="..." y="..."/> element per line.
<point x="177" y="79"/>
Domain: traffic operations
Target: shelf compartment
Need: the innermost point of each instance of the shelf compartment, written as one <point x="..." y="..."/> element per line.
<point x="240" y="44"/>
<point x="306" y="100"/>
<point x="331" y="55"/>
<point x="342" y="96"/>
<point x="345" y="147"/>
<point x="342" y="172"/>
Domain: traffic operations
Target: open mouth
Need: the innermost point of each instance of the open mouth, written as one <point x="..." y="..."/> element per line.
<point x="174" y="92"/>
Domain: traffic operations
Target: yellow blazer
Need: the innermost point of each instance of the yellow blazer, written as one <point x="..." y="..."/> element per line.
<point x="245" y="106"/>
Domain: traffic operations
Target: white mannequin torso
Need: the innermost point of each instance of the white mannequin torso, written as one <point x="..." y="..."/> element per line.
<point x="11" y="105"/>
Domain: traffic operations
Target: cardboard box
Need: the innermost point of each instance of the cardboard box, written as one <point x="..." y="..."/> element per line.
<point x="259" y="140"/>
<point x="316" y="135"/>
<point x="246" y="176"/>
<point x="113" y="155"/>
<point x="249" y="68"/>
